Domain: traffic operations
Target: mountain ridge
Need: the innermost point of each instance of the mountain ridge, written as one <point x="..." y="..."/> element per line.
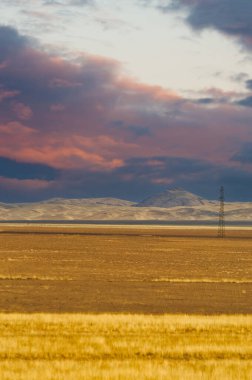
<point x="181" y="206"/>
<point x="171" y="198"/>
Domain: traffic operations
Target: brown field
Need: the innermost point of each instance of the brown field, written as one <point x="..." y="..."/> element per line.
<point x="125" y="270"/>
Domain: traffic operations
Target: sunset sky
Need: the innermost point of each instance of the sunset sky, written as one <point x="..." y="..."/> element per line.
<point x="125" y="98"/>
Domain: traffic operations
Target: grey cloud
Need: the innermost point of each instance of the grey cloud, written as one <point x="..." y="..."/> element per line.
<point x="137" y="178"/>
<point x="245" y="153"/>
<point x="82" y="2"/>
<point x="163" y="167"/>
<point x="68" y="2"/>
<point x="139" y="130"/>
<point x="240" y="77"/>
<point x="249" y="84"/>
<point x="10" y="42"/>
<point x="231" y="17"/>
<point x="25" y="170"/>
<point x="205" y="101"/>
<point x="246" y="102"/>
<point x="198" y="176"/>
<point x="136" y="130"/>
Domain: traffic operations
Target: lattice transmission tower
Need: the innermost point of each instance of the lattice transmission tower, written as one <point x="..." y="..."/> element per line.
<point x="221" y="228"/>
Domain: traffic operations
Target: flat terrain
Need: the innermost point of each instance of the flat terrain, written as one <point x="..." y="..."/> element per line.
<point x="135" y="347"/>
<point x="125" y="269"/>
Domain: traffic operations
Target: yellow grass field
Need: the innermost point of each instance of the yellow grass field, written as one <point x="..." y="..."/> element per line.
<point x="135" y="347"/>
<point x="125" y="303"/>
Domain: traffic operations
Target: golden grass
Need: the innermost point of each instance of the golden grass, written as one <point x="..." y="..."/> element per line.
<point x="204" y="280"/>
<point x="36" y="278"/>
<point x="135" y="347"/>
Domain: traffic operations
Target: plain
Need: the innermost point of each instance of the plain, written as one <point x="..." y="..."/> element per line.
<point x="64" y="289"/>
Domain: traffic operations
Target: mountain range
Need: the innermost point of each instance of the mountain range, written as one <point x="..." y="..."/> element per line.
<point x="171" y="205"/>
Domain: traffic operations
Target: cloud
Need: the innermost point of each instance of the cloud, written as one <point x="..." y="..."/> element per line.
<point x="142" y="176"/>
<point x="68" y="2"/>
<point x="24" y="190"/>
<point x="81" y="2"/>
<point x="231" y="17"/>
<point x="11" y="44"/>
<point x="5" y="94"/>
<point x="245" y="153"/>
<point x="246" y="102"/>
<point x="104" y="133"/>
<point x="249" y="84"/>
<point x="162" y="170"/>
<point x="205" y="101"/>
<point x="23" y="170"/>
<point x="65" y="107"/>
<point x="136" y="130"/>
<point x="22" y="111"/>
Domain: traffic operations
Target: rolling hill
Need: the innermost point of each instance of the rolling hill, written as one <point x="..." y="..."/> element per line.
<point x="172" y="198"/>
<point x="171" y="205"/>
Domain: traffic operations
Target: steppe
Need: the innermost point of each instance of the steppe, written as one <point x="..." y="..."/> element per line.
<point x="125" y="269"/>
<point x="125" y="302"/>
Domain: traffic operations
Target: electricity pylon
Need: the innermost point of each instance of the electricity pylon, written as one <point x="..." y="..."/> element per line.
<point x="221" y="228"/>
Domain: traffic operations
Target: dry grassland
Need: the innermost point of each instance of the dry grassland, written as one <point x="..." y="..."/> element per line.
<point x="125" y="347"/>
<point x="125" y="269"/>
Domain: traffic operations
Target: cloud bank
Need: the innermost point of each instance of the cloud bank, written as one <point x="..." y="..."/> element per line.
<point x="82" y="127"/>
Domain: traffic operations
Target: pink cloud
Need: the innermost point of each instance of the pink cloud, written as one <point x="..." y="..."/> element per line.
<point x="57" y="107"/>
<point x="23" y="185"/>
<point x="59" y="82"/>
<point x="3" y="65"/>
<point x="5" y="94"/>
<point x="22" y="111"/>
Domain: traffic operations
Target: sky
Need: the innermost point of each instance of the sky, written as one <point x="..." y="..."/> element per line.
<point x="100" y="98"/>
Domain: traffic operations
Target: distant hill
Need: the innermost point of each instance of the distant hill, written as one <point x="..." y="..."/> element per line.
<point x="64" y="209"/>
<point x="88" y="202"/>
<point x="173" y="198"/>
<point x="170" y="205"/>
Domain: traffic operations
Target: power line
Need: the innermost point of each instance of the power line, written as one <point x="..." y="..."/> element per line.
<point x="221" y="228"/>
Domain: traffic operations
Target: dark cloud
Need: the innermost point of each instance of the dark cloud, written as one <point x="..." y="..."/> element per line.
<point x="246" y="102"/>
<point x="136" y="179"/>
<point x="205" y="101"/>
<point x="141" y="177"/>
<point x="245" y="153"/>
<point x="240" y="77"/>
<point x="237" y="184"/>
<point x="230" y="17"/>
<point x="10" y="42"/>
<point x="23" y="170"/>
<point x="249" y="84"/>
<point x="139" y="130"/>
<point x="163" y="168"/>
<point x="136" y="130"/>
